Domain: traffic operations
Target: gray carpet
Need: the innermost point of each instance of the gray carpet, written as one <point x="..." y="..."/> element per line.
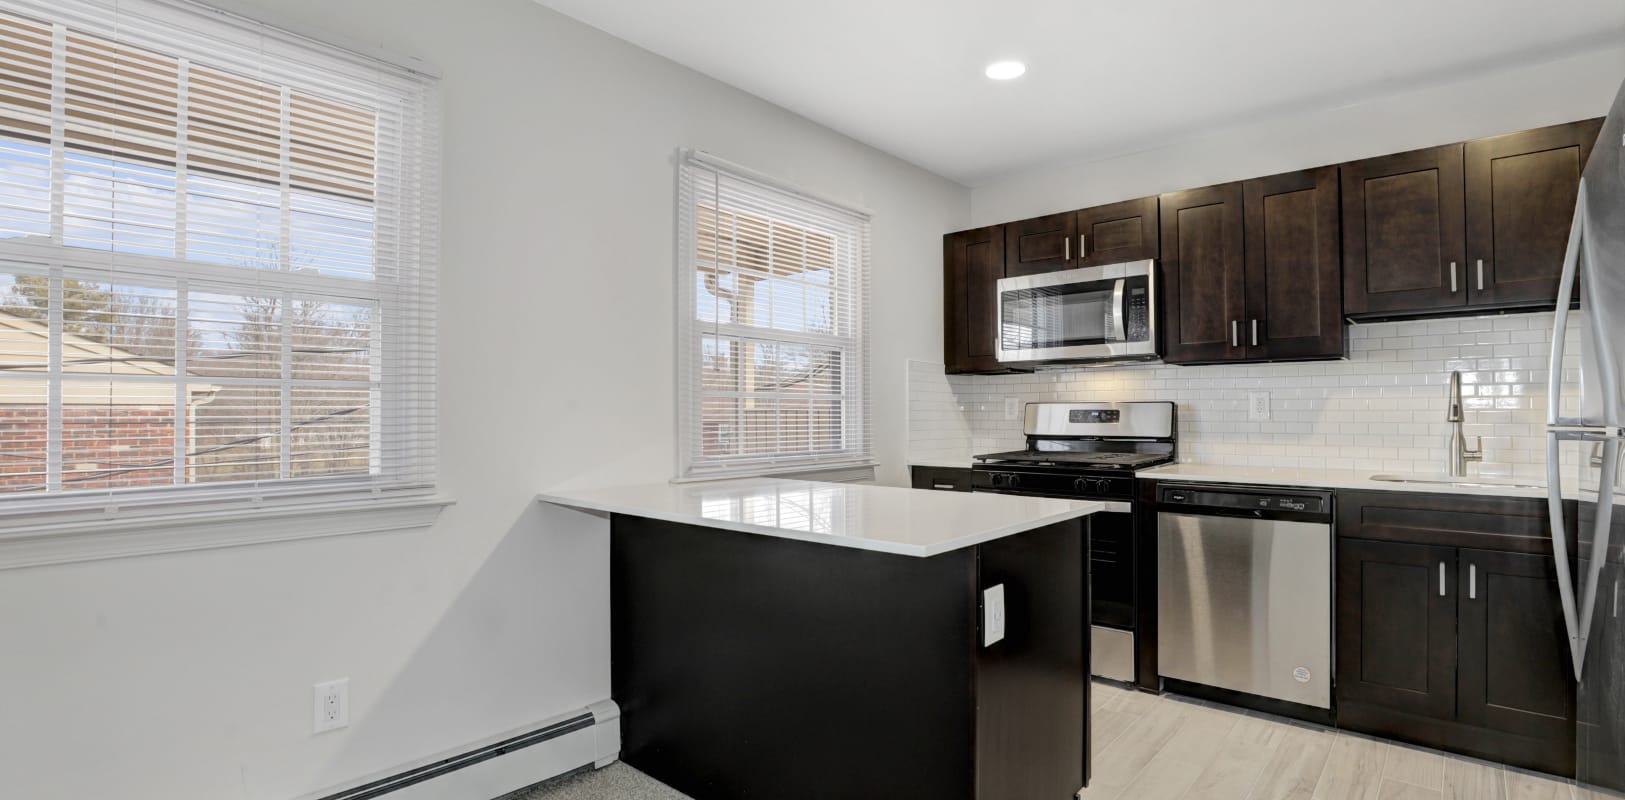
<point x="614" y="782"/>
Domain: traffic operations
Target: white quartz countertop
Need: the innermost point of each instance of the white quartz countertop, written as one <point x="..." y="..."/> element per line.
<point x="1343" y="479"/>
<point x="912" y="522"/>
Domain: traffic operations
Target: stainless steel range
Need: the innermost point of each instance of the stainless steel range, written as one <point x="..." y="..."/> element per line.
<point x="1090" y="451"/>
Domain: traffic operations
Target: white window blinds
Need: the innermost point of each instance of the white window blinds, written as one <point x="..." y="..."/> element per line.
<point x="772" y="326"/>
<point x="217" y="260"/>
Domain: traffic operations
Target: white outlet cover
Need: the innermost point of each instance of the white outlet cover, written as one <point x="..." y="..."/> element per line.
<point x="1258" y="406"/>
<point x="332" y="705"/>
<point x="992" y="615"/>
<point x="1012" y="408"/>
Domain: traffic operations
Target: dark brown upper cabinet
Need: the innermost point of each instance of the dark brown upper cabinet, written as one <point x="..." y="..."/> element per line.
<point x="1403" y="239"/>
<point x="1203" y="283"/>
<point x="973" y="263"/>
<point x="1113" y="234"/>
<point x="1043" y="244"/>
<point x="1294" y="267"/>
<point x="1521" y="190"/>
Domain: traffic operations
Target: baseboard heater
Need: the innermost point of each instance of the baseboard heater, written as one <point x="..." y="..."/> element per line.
<point x="590" y="738"/>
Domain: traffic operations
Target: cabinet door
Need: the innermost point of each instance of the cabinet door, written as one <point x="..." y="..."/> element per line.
<point x="1119" y="232"/>
<point x="973" y="263"/>
<point x="1515" y="672"/>
<point x="1521" y="190"/>
<point x="1043" y="244"/>
<point x="1403" y="247"/>
<point x="1294" y="266"/>
<point x="1203" y="274"/>
<point x="1396" y="626"/>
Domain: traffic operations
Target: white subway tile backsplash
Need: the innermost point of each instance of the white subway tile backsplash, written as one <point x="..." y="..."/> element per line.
<point x="1382" y="409"/>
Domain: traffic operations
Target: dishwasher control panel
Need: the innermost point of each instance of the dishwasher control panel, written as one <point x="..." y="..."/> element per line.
<point x="1257" y="500"/>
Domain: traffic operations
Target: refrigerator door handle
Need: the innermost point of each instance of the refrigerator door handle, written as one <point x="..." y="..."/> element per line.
<point x="1560" y="549"/>
<point x="1560" y="320"/>
<point x="1579" y="608"/>
<point x="1599" y="544"/>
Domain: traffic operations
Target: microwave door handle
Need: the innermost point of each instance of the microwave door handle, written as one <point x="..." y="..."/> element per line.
<point x="1119" y="312"/>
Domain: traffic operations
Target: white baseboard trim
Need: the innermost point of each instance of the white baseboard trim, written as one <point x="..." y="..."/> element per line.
<point x="500" y="765"/>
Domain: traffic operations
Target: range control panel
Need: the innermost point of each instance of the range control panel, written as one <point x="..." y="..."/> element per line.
<point x="1257" y="501"/>
<point x="1098" y="415"/>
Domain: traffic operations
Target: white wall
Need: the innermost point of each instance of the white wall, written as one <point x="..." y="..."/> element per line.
<point x="1489" y="103"/>
<point x="189" y="676"/>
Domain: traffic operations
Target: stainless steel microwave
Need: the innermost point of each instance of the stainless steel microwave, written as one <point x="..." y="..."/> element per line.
<point x="1095" y="314"/>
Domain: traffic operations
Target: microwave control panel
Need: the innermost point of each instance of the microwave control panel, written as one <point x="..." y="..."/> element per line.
<point x="1137" y="328"/>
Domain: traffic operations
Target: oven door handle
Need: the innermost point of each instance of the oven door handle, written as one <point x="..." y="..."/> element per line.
<point x="1119" y="311"/>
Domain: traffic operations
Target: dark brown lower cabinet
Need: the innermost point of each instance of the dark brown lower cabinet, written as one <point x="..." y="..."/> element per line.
<point x="945" y="479"/>
<point x="1515" y="674"/>
<point x="1396" y="626"/>
<point x="749" y="666"/>
<point x="1457" y="648"/>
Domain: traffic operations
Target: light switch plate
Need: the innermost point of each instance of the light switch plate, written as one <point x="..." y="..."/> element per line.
<point x="1012" y="408"/>
<point x="992" y="615"/>
<point x="1258" y="406"/>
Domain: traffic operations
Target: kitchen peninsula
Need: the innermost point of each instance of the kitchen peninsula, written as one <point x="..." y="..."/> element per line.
<point x="796" y="639"/>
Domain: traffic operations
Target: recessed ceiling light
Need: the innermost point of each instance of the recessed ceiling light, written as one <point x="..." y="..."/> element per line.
<point x="1005" y="70"/>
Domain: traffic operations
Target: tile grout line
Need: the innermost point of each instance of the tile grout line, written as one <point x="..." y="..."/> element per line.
<point x="1154" y="754"/>
<point x="1325" y="766"/>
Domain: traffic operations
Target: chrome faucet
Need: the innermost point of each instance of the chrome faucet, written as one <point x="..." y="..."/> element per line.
<point x="1458" y="454"/>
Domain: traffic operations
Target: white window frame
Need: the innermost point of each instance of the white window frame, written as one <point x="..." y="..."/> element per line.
<point x="56" y="527"/>
<point x="856" y="460"/>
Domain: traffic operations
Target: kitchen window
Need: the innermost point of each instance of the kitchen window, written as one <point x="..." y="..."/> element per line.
<point x="217" y="262"/>
<point x="772" y="341"/>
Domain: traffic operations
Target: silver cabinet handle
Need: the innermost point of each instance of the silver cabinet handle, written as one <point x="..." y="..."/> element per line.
<point x="1441" y="579"/>
<point x="1481" y="274"/>
<point x="1066" y="251"/>
<point x="1472" y="581"/>
<point x="1255" y="333"/>
<point x="943" y="486"/>
<point x="1083" y="246"/>
<point x="1453" y="287"/>
<point x="1235" y="333"/>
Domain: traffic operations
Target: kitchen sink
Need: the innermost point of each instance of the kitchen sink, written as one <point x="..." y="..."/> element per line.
<point x="1480" y="483"/>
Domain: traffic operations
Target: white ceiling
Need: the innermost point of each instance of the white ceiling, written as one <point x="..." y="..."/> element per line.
<point x="1104" y="78"/>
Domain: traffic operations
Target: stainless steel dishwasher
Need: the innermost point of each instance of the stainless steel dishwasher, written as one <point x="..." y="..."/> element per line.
<point x="1244" y="590"/>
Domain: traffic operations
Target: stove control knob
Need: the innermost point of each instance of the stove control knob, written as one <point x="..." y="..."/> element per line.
<point x="1081" y="485"/>
<point x="1012" y="481"/>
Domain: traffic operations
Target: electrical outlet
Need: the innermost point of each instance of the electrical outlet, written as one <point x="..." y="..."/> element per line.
<point x="1258" y="406"/>
<point x="1012" y="408"/>
<point x="332" y="705"/>
<point x="993" y="615"/>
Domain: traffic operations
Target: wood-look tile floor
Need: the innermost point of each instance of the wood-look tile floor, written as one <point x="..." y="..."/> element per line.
<point x="1172" y="748"/>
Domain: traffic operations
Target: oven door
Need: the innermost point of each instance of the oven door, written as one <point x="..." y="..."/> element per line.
<point x="1093" y="314"/>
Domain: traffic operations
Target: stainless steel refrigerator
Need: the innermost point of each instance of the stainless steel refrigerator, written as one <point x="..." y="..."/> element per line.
<point x="1586" y="426"/>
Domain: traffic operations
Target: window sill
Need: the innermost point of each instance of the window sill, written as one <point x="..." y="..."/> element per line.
<point x="33" y="540"/>
<point x="839" y="472"/>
